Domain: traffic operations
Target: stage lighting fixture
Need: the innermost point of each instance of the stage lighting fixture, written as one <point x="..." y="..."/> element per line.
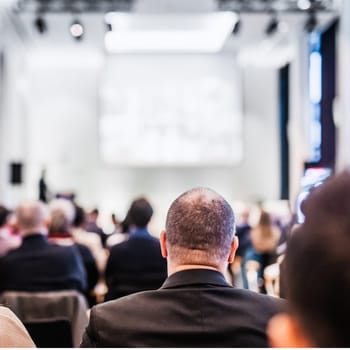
<point x="311" y="22"/>
<point x="272" y="26"/>
<point x="77" y="30"/>
<point x="237" y="27"/>
<point x="304" y="4"/>
<point x="40" y="24"/>
<point x="108" y="27"/>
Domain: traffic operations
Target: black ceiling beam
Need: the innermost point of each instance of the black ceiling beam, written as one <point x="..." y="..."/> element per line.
<point x="62" y="6"/>
<point x="242" y="6"/>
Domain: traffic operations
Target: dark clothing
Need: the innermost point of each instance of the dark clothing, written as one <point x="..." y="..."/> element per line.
<point x="38" y="266"/>
<point x="42" y="190"/>
<point x="193" y="308"/>
<point x="92" y="273"/>
<point x="243" y="234"/>
<point x="135" y="265"/>
<point x="89" y="264"/>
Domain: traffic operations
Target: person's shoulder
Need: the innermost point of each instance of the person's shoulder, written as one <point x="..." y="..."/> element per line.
<point x="63" y="250"/>
<point x="131" y="302"/>
<point x="118" y="247"/>
<point x="259" y="300"/>
<point x="12" y="331"/>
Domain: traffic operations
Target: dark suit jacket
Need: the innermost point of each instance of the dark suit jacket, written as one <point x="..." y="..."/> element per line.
<point x="193" y="308"/>
<point x="135" y="265"/>
<point x="40" y="266"/>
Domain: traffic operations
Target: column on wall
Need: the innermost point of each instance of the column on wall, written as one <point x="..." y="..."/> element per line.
<point x="13" y="122"/>
<point x="342" y="112"/>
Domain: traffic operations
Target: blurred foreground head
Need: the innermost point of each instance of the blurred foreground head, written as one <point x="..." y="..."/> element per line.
<point x="317" y="272"/>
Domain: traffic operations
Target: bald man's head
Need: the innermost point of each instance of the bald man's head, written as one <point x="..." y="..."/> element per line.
<point x="200" y="227"/>
<point x="31" y="217"/>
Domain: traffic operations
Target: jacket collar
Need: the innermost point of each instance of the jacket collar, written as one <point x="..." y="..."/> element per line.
<point x="34" y="237"/>
<point x="140" y="233"/>
<point x="196" y="277"/>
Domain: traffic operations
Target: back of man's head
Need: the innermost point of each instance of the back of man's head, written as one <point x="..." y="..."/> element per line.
<point x="200" y="227"/>
<point x="65" y="207"/>
<point x="31" y="217"/>
<point x="317" y="265"/>
<point x="140" y="212"/>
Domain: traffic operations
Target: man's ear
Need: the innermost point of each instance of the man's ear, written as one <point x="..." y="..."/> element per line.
<point x="284" y="331"/>
<point x="163" y="247"/>
<point x="234" y="246"/>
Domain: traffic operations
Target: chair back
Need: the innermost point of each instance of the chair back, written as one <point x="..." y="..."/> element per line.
<point x="51" y="333"/>
<point x="34" y="308"/>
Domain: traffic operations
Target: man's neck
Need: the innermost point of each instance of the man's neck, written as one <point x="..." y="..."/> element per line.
<point x="34" y="231"/>
<point x="183" y="267"/>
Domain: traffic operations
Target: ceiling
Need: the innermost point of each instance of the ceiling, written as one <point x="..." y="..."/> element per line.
<point x="174" y="6"/>
<point x="254" y="17"/>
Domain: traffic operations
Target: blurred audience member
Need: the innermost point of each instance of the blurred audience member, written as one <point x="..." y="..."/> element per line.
<point x="196" y="306"/>
<point x="38" y="265"/>
<point x="61" y="218"/>
<point x="118" y="235"/>
<point x="243" y="234"/>
<point x="12" y="331"/>
<point x="136" y="264"/>
<point x="43" y="190"/>
<point x="8" y="239"/>
<point x="317" y="272"/>
<point x="92" y="226"/>
<point x="264" y="237"/>
<point x="89" y="239"/>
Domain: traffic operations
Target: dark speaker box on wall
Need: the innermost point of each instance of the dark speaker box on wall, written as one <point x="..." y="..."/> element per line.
<point x="16" y="170"/>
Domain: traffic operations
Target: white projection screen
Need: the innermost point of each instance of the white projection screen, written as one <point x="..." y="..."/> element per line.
<point x="171" y="110"/>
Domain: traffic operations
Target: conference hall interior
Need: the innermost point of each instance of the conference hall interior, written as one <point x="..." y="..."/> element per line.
<point x="109" y="105"/>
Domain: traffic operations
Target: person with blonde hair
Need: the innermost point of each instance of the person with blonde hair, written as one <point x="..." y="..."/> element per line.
<point x="264" y="240"/>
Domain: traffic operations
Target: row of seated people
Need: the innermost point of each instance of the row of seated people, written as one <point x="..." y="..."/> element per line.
<point x="136" y="264"/>
<point x="198" y="244"/>
<point x="77" y="259"/>
<point x="197" y="307"/>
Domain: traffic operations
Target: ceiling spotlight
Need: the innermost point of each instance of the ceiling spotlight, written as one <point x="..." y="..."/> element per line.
<point x="40" y="24"/>
<point x="77" y="30"/>
<point x="272" y="26"/>
<point x="311" y="22"/>
<point x="109" y="27"/>
<point x="304" y="4"/>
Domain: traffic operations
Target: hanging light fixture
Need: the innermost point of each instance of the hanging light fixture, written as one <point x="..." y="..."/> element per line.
<point x="77" y="30"/>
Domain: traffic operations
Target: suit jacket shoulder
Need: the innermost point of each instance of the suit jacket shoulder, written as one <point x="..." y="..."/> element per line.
<point x="193" y="309"/>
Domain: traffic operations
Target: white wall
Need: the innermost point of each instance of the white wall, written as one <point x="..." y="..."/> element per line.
<point x="58" y="129"/>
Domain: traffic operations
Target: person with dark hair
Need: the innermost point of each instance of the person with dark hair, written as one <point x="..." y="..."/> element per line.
<point x="43" y="190"/>
<point x="135" y="265"/>
<point x="89" y="239"/>
<point x="264" y="239"/>
<point x="316" y="272"/>
<point x="92" y="226"/>
<point x="120" y="232"/>
<point x="8" y="239"/>
<point x="196" y="306"/>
